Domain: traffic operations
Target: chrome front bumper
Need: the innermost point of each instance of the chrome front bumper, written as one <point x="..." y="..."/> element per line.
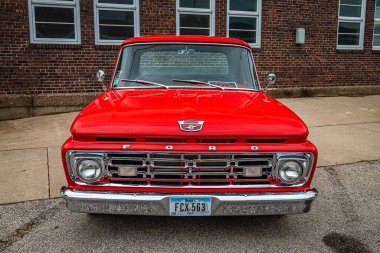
<point x="231" y="204"/>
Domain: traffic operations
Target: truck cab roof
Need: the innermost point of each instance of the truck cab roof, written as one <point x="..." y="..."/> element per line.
<point x="185" y="38"/>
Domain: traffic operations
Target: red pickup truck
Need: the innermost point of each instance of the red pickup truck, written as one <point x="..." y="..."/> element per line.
<point x="185" y="129"/>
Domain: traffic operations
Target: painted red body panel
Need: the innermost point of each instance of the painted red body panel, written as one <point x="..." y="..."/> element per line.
<point x="185" y="39"/>
<point x="154" y="112"/>
<point x="145" y="112"/>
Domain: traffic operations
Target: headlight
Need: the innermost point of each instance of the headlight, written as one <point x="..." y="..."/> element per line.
<point x="89" y="170"/>
<point x="86" y="167"/>
<point x="290" y="171"/>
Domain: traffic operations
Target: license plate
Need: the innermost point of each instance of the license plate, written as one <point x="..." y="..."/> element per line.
<point x="182" y="206"/>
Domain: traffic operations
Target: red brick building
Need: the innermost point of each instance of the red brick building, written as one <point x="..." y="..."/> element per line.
<point x="56" y="46"/>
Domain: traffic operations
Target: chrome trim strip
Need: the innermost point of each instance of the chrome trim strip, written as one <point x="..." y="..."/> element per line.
<point x="252" y="186"/>
<point x="276" y="156"/>
<point x="229" y="204"/>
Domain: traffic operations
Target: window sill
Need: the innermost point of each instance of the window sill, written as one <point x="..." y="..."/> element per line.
<point x="354" y="50"/>
<point x="55" y="46"/>
<point x="350" y="48"/>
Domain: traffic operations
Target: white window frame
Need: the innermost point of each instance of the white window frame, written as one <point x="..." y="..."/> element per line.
<point x="360" y="20"/>
<point x="115" y="7"/>
<point x="247" y="14"/>
<point x="197" y="11"/>
<point x="58" y="4"/>
<point x="376" y="22"/>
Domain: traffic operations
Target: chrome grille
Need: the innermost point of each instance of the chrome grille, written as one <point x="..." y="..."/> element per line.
<point x="184" y="169"/>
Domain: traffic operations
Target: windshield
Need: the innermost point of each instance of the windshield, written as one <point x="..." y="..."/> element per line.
<point x="185" y="65"/>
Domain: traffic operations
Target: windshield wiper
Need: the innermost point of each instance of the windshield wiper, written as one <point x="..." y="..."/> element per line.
<point x="144" y="82"/>
<point x="198" y="83"/>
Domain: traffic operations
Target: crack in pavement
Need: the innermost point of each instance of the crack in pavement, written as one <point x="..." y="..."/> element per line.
<point x="335" y="101"/>
<point x="48" y="171"/>
<point x="15" y="149"/>
<point x="343" y="198"/>
<point x="344" y="124"/>
<point x="353" y="163"/>
<point x="26" y="228"/>
<point x="23" y="201"/>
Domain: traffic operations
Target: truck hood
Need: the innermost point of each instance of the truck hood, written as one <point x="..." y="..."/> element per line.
<point x="156" y="112"/>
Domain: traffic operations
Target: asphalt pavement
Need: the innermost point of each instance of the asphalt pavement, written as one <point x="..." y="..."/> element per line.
<point x="344" y="218"/>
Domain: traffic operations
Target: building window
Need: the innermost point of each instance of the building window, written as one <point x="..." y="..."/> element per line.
<point x="195" y="17"/>
<point x="243" y="21"/>
<point x="54" y="21"/>
<point x="115" y="21"/>
<point x="351" y="24"/>
<point x="376" y="29"/>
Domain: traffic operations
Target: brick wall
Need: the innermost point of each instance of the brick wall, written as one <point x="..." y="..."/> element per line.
<point x="30" y="68"/>
<point x="317" y="62"/>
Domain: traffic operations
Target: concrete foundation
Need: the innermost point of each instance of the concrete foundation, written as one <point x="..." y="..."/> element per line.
<point x="22" y="106"/>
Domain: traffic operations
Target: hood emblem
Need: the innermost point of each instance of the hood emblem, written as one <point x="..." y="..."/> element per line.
<point x="190" y="125"/>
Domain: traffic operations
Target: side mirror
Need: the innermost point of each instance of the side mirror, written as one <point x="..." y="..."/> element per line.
<point x="271" y="79"/>
<point x="100" y="75"/>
